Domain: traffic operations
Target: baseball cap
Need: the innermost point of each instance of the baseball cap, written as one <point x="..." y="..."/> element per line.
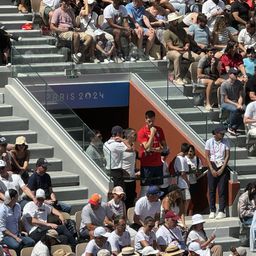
<point x="100" y="231"/>
<point x="3" y="141"/>
<point x="196" y="247"/>
<point x="40" y="193"/>
<point x="171" y="215"/>
<point x="95" y="199"/>
<point x="154" y="190"/>
<point x="234" y="71"/>
<point x="42" y="162"/>
<point x="118" y="190"/>
<point x="117" y="130"/>
<point x="148" y="250"/>
<point x="2" y="163"/>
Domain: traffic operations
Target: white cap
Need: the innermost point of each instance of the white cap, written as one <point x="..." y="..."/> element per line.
<point x="148" y="250"/>
<point x="91" y="1"/>
<point x="196" y="247"/>
<point x="100" y="231"/>
<point x="40" y="193"/>
<point x="197" y="219"/>
<point x="2" y="163"/>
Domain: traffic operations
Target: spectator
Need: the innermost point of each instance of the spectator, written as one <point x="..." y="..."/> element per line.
<point x="213" y="9"/>
<point x="64" y="24"/>
<point x="24" y="6"/>
<point x="47" y="8"/>
<point x="148" y="205"/>
<point x="182" y="170"/>
<point x="9" y="180"/>
<point x="20" y="158"/>
<point x="152" y="143"/>
<point x="169" y="233"/>
<point x="41" y="179"/>
<point x="128" y="165"/>
<point x="94" y="214"/>
<point x="43" y="247"/>
<point x="246" y="204"/>
<point x="239" y="251"/>
<point x="95" y="149"/>
<point x="141" y="26"/>
<point x="116" y="204"/>
<point x="250" y="86"/>
<point x="119" y="238"/>
<point x="232" y="100"/>
<point x="173" y="201"/>
<point x="208" y="75"/>
<point x="247" y="37"/>
<point x="177" y="47"/>
<point x="116" y="23"/>
<point x="166" y="181"/>
<point x="99" y="242"/>
<point x="195" y="249"/>
<point x="113" y="151"/>
<point x="149" y="250"/>
<point x="240" y="12"/>
<point x="145" y="236"/>
<point x="10" y="213"/>
<point x="5" y="153"/>
<point x="217" y="153"/>
<point x="250" y="118"/>
<point x="35" y="220"/>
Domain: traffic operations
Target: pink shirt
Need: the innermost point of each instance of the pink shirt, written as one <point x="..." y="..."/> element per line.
<point x="63" y="19"/>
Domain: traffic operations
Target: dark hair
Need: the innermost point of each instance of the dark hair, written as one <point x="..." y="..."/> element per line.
<point x="184" y="147"/>
<point x="193" y="228"/>
<point x="148" y="219"/>
<point x="230" y="46"/>
<point x="12" y="193"/>
<point x="250" y="50"/>
<point x="127" y="132"/>
<point x="201" y="18"/>
<point x="93" y="133"/>
<point x="192" y="147"/>
<point x="47" y="240"/>
<point x="117" y="219"/>
<point x="251" y="188"/>
<point x="150" y="114"/>
<point x="16" y="147"/>
<point x="251" y="24"/>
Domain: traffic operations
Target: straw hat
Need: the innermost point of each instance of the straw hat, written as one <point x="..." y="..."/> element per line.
<point x="172" y="250"/>
<point x="128" y="251"/>
<point x="21" y="140"/>
<point x="174" y="16"/>
<point x="62" y="252"/>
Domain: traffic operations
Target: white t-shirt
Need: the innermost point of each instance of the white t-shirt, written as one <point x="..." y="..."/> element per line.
<point x="93" y="248"/>
<point x="194" y="164"/>
<point x="39" y="212"/>
<point x="166" y="181"/>
<point x="117" y="209"/>
<point x="40" y="249"/>
<point x="180" y="165"/>
<point x="113" y="151"/>
<point x="250" y="112"/>
<point x="91" y="18"/>
<point x="196" y="235"/>
<point x="13" y="181"/>
<point x="118" y="242"/>
<point x="110" y="12"/>
<point x="144" y="208"/>
<point x="141" y="236"/>
<point x="245" y="38"/>
<point x="128" y="164"/>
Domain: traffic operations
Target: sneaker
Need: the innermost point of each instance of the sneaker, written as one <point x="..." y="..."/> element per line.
<point x="151" y="58"/>
<point x="208" y="108"/>
<point x="118" y="60"/>
<point x="132" y="59"/>
<point x="106" y="61"/>
<point x="76" y="57"/>
<point x="178" y="82"/>
<point x="220" y="215"/>
<point x="164" y="58"/>
<point x="110" y="61"/>
<point x="212" y="215"/>
<point x="232" y="132"/>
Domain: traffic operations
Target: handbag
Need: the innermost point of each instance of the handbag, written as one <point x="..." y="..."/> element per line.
<point x="198" y="99"/>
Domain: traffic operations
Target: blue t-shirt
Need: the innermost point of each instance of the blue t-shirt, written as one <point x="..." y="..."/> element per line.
<point x="201" y="35"/>
<point x="249" y="65"/>
<point x="136" y="12"/>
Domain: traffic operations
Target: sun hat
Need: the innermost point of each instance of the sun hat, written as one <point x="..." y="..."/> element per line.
<point x="197" y="219"/>
<point x="196" y="247"/>
<point x="2" y="163"/>
<point x="62" y="252"/>
<point x="95" y="199"/>
<point x="154" y="190"/>
<point x="100" y="231"/>
<point x="53" y="233"/>
<point x="171" y="215"/>
<point x="21" y="140"/>
<point x="172" y="250"/>
<point x="118" y="190"/>
<point x="128" y="251"/>
<point x="148" y="250"/>
<point x="174" y="16"/>
<point x="40" y="193"/>
<point x="103" y="252"/>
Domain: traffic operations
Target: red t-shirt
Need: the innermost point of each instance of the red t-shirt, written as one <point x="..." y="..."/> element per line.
<point x="150" y="158"/>
<point x="227" y="60"/>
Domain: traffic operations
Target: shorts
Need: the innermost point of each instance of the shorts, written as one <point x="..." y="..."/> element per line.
<point x="151" y="175"/>
<point x="185" y="194"/>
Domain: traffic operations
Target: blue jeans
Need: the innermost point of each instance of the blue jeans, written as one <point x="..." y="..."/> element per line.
<point x="180" y="7"/>
<point x="235" y="115"/>
<point x="13" y="244"/>
<point x="63" y="207"/>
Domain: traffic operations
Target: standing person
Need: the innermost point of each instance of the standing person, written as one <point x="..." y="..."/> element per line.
<point x="152" y="143"/>
<point x="217" y="153"/>
<point x="113" y="151"/>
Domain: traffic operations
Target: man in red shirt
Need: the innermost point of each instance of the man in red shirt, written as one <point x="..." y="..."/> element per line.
<point x="152" y="144"/>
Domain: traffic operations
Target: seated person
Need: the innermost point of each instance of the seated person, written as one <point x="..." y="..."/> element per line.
<point x="95" y="214"/>
<point x="246" y="204"/>
<point x="64" y="24"/>
<point x="250" y="118"/>
<point x="250" y="62"/>
<point x="240" y="13"/>
<point x="250" y="89"/>
<point x="5" y="153"/>
<point x="169" y="232"/>
<point x="36" y="224"/>
<point x="139" y="22"/>
<point x="208" y="74"/>
<point x="46" y="10"/>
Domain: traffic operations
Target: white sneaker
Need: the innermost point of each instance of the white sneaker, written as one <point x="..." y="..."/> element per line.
<point x="220" y="215"/>
<point x="178" y="81"/>
<point x="106" y="61"/>
<point x="212" y="215"/>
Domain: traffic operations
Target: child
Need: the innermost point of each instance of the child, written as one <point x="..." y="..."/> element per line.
<point x="250" y="62"/>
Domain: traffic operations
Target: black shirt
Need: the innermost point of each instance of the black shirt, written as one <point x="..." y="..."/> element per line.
<point x="243" y="10"/>
<point x="250" y="87"/>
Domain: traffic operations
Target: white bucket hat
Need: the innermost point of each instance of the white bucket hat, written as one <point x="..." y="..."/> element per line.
<point x="197" y="219"/>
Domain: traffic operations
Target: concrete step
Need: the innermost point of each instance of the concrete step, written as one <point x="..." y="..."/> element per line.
<point x="5" y="110"/>
<point x="244" y="166"/>
<point x="77" y="205"/>
<point x="31" y="136"/>
<point x="36" y="49"/>
<point x="227" y="242"/>
<point x="180" y="102"/>
<point x="40" y="150"/>
<point x="55" y="164"/>
<point x="68" y="120"/>
<point x="25" y="33"/>
<point x="13" y="24"/>
<point x="245" y="179"/>
<point x="15" y="16"/>
<point x="71" y="192"/>
<point x="203" y="127"/>
<point x="163" y="89"/>
<point x="63" y="178"/>
<point x="12" y="123"/>
<point x="37" y="58"/>
<point x="8" y="9"/>
<point x="35" y="41"/>
<point x="75" y="132"/>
